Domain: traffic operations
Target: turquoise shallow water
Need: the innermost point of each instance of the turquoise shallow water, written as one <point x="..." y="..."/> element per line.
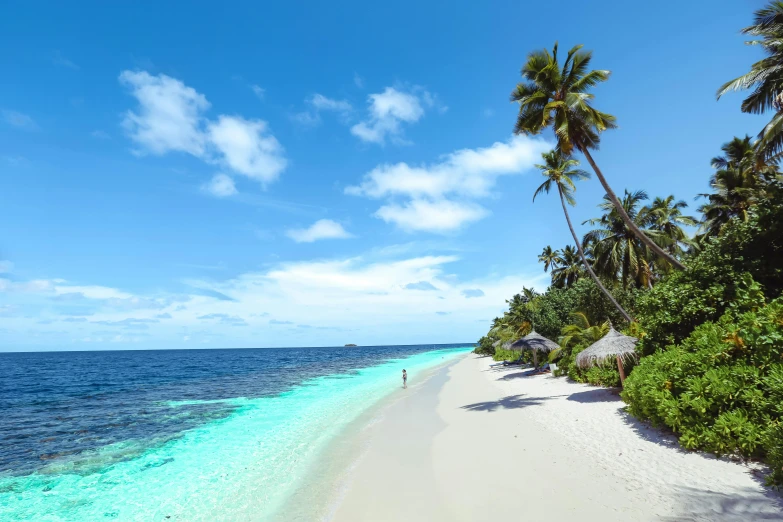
<point x="241" y="466"/>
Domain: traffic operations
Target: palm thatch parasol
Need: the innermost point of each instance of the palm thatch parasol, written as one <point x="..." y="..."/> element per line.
<point x="536" y="343"/>
<point x="613" y="345"/>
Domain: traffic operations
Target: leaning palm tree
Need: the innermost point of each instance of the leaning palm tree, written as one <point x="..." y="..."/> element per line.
<point x="561" y="172"/>
<point x="568" y="270"/>
<point x="549" y="257"/>
<point x="765" y="78"/>
<point x="558" y="96"/>
<point x="618" y="251"/>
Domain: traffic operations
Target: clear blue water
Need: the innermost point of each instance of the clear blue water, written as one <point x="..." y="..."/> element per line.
<point x="180" y="435"/>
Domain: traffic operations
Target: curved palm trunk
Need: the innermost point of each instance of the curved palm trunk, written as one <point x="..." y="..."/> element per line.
<point x="587" y="265"/>
<point x="626" y="218"/>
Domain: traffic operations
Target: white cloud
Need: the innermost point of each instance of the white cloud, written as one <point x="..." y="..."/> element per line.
<point x="375" y="301"/>
<point x="220" y="186"/>
<point x="319" y="102"/>
<point x="18" y="119"/>
<point x="258" y="91"/>
<point x="358" y="81"/>
<point x="322" y="103"/>
<point x="171" y="118"/>
<point x="247" y="147"/>
<point x="431" y="216"/>
<point x="6" y="266"/>
<point x="306" y="118"/>
<point x="441" y="197"/>
<point x="388" y="110"/>
<point x="101" y="135"/>
<point x="62" y="61"/>
<point x="321" y="229"/>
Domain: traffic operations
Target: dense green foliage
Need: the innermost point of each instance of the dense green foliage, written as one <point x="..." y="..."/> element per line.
<point x="745" y="258"/>
<point x="707" y="308"/>
<point x="721" y="389"/>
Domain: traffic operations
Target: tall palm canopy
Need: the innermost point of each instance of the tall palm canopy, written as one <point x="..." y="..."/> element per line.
<point x="665" y="215"/>
<point x="560" y="172"/>
<point x="556" y="96"/>
<point x="568" y="270"/>
<point x="765" y="78"/>
<point x="548" y="257"/>
<point x="740" y="179"/>
<point x="616" y="248"/>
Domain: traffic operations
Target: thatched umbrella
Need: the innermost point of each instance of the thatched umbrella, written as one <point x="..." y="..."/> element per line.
<point x="613" y="345"/>
<point x="536" y="343"/>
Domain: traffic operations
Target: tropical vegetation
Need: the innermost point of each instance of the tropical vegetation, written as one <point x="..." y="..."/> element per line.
<point x="703" y="294"/>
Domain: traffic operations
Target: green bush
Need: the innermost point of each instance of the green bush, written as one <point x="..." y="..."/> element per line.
<point x="721" y="389"/>
<point x="604" y="375"/>
<point x="484" y="346"/>
<point x="741" y="264"/>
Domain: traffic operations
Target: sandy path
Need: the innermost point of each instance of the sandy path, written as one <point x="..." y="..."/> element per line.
<point x="476" y="443"/>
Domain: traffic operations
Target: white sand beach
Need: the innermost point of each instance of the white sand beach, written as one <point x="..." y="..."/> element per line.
<point x="476" y="443"/>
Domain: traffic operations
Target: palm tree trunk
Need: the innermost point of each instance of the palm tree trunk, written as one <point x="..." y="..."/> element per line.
<point x="626" y="218"/>
<point x="587" y="265"/>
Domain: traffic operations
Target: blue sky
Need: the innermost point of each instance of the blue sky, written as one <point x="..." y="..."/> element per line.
<point x="179" y="176"/>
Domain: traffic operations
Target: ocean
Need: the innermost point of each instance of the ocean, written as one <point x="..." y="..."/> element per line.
<point x="182" y="435"/>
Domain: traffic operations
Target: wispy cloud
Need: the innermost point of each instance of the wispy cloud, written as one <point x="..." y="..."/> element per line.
<point x="319" y="103"/>
<point x="258" y="91"/>
<point x="376" y="300"/>
<point x="420" y="285"/>
<point x="19" y="120"/>
<point x="220" y="186"/>
<point x="62" y="61"/>
<point x="100" y="135"/>
<point x="358" y="81"/>
<point x="321" y="229"/>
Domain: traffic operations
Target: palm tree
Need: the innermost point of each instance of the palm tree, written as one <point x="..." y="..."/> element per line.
<point x="558" y="96"/>
<point x="568" y="270"/>
<point x="561" y="172"/>
<point x="665" y="215"/>
<point x="765" y="78"/>
<point x="549" y="257"/>
<point x="580" y="331"/>
<point x="617" y="249"/>
<point x="740" y="179"/>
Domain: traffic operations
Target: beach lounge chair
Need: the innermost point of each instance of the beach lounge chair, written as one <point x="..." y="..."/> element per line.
<point x="508" y="363"/>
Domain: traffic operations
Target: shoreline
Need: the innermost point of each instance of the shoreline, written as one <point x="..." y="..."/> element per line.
<point x="481" y="443"/>
<point x="319" y="493"/>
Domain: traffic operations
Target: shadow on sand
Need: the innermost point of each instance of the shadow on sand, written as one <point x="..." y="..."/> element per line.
<point x="510" y="402"/>
<point x="596" y="395"/>
<point x="738" y="507"/>
<point x="518" y="375"/>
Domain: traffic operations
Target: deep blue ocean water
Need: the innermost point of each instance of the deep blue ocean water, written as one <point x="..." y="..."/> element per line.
<point x="83" y="434"/>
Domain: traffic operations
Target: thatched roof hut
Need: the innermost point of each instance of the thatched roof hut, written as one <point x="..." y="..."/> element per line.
<point x="535" y="342"/>
<point x="613" y="345"/>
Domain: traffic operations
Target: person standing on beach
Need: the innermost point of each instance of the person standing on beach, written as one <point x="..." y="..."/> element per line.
<point x="404" y="379"/>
